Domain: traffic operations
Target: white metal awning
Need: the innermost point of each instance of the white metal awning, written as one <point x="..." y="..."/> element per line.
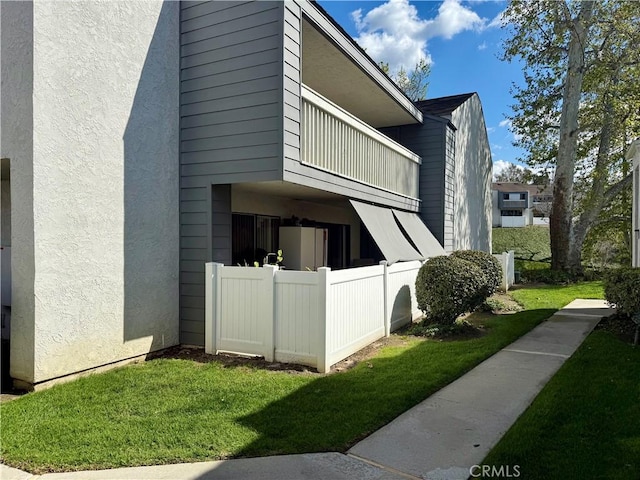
<point x="419" y="234"/>
<point x="386" y="233"/>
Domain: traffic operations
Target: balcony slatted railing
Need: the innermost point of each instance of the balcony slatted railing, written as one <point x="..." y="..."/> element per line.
<point x="338" y="142"/>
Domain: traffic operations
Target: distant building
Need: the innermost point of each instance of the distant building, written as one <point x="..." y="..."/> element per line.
<point x="520" y="205"/>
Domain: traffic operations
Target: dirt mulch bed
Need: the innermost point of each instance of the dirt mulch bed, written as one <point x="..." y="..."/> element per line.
<point x="198" y="355"/>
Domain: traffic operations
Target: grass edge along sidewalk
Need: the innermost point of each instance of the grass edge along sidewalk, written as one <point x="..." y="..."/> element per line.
<point x="585" y="422"/>
<point x="171" y="411"/>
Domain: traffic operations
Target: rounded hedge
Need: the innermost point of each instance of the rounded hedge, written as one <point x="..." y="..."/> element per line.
<point x="488" y="264"/>
<point x="622" y="288"/>
<point x="447" y="287"/>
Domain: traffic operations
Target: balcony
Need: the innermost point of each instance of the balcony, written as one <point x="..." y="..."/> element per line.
<point x="335" y="141"/>
<point x="513" y="204"/>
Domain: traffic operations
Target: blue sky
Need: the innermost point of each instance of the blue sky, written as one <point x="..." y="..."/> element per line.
<point x="462" y="39"/>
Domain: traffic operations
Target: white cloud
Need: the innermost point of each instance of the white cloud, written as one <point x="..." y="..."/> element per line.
<point x="500" y="20"/>
<point x="491" y="129"/>
<point x="454" y="18"/>
<point x="500" y="165"/>
<point x="482" y="46"/>
<point x="394" y="32"/>
<point x="509" y="126"/>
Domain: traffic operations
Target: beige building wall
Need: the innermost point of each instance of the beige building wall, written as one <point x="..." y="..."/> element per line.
<point x="93" y="144"/>
<point x="473" y="169"/>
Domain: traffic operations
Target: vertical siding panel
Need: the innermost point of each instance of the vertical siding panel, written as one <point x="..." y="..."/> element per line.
<point x="349" y="151"/>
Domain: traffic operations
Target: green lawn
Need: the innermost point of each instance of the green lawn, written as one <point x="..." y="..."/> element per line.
<point x="531" y="243"/>
<point x="550" y="296"/>
<point x="586" y="421"/>
<point x="169" y="410"/>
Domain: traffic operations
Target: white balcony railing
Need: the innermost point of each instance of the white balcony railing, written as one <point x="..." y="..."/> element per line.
<point x="340" y="143"/>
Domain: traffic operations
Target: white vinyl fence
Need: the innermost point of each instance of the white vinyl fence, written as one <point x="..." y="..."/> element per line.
<point x="311" y="318"/>
<point x="507" y="263"/>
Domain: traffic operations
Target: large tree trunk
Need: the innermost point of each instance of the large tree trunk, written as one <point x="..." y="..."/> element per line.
<point x="561" y="225"/>
<point x="595" y="200"/>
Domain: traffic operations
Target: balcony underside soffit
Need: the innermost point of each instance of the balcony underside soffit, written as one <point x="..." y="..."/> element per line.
<point x="327" y="70"/>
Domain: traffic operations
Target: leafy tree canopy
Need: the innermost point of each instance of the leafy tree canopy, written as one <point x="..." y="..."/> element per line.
<point x="579" y="108"/>
<point x="413" y="83"/>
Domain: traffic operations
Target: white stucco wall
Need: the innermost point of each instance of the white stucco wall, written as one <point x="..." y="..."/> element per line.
<point x="16" y="144"/>
<point x="473" y="169"/>
<point x="495" y="210"/>
<point x="105" y="184"/>
<point x="514" y="221"/>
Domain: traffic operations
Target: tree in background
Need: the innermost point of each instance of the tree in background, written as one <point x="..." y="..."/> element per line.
<point x="414" y="83"/>
<point x="579" y="108"/>
<point x="516" y="174"/>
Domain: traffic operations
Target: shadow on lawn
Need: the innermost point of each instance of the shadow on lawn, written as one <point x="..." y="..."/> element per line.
<point x="334" y="412"/>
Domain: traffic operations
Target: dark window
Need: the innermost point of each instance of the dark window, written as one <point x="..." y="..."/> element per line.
<point x="523" y="196"/>
<point x="511" y="213"/>
<point x="252" y="237"/>
<point x="505" y="196"/>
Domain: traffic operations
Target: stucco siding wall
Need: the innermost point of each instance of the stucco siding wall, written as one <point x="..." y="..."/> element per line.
<point x="105" y="183"/>
<point x="495" y="210"/>
<point x="16" y="144"/>
<point x="472" y="208"/>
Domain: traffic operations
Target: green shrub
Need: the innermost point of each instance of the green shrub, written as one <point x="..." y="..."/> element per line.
<point x="488" y="264"/>
<point x="437" y="330"/>
<point x="622" y="288"/>
<point x="497" y="305"/>
<point x="546" y="275"/>
<point x="447" y="287"/>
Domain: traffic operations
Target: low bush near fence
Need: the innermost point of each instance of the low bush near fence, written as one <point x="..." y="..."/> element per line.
<point x="622" y="288"/>
<point x="447" y="287"/>
<point x="489" y="265"/>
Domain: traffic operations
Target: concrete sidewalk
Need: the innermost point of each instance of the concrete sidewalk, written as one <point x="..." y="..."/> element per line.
<point x="440" y="438"/>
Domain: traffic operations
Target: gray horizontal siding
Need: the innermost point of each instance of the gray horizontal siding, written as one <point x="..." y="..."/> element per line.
<point x="302" y="174"/>
<point x="291" y="81"/>
<point x="428" y="141"/>
<point x="231" y="118"/>
<point x="247" y="127"/>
